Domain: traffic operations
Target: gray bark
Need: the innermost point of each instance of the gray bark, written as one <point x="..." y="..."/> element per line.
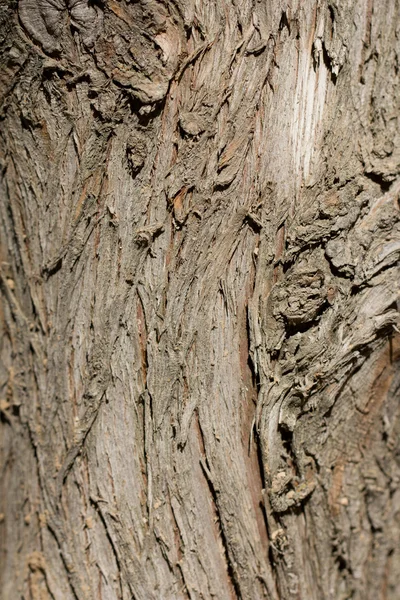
<point x="199" y="252"/>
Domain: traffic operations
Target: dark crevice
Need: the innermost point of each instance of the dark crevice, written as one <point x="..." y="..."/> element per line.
<point x="96" y="3"/>
<point x="331" y="14"/>
<point x="328" y="63"/>
<point x="341" y="564"/>
<point x="379" y="179"/>
<point x="229" y="565"/>
<point x="214" y="496"/>
<point x="293" y="328"/>
<point x="188" y="31"/>
<point x="15" y="410"/>
<point x="287" y="437"/>
<point x="67" y="568"/>
<point x="271" y="557"/>
<point x="255" y="375"/>
<point x="338" y="272"/>
<point x="221" y="187"/>
<point x="253" y="223"/>
<point x="136" y="108"/>
<point x="174" y="567"/>
<point x="156" y="110"/>
<point x="264" y="485"/>
<point x="77" y="448"/>
<point x="284" y="22"/>
<point x="111" y="542"/>
<point x="287" y="443"/>
<point x="303" y="327"/>
<point x="182" y="577"/>
<point x="260" y="460"/>
<point x="52" y="270"/>
<point x="71" y="83"/>
<point x="4" y="418"/>
<point x="256" y="447"/>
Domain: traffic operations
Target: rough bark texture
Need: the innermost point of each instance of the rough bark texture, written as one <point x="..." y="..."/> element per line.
<point x="200" y="243"/>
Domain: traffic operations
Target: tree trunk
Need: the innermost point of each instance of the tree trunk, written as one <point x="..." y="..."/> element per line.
<point x="200" y="242"/>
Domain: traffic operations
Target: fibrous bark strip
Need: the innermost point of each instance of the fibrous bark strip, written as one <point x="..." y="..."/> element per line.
<point x="199" y="247"/>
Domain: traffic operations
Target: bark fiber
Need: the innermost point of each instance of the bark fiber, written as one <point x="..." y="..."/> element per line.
<point x="200" y="346"/>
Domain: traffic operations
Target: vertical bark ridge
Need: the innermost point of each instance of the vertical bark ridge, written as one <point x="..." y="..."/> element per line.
<point x="199" y="249"/>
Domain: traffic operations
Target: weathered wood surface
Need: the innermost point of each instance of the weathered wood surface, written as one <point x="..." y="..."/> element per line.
<point x="200" y="298"/>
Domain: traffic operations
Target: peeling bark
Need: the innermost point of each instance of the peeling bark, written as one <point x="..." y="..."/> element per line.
<point x="199" y="240"/>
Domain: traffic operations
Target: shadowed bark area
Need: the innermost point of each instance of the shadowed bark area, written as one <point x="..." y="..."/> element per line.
<point x="199" y="246"/>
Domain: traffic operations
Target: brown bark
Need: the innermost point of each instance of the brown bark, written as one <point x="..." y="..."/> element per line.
<point x="199" y="273"/>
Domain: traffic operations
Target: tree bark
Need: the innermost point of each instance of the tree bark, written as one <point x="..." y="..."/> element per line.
<point x="200" y="243"/>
